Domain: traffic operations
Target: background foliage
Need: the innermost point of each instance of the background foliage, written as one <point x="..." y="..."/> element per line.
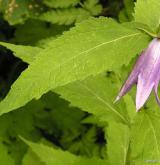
<point x="62" y="63"/>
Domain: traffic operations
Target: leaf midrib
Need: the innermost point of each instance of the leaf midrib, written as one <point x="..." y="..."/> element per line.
<point x="103" y="101"/>
<point x="97" y="46"/>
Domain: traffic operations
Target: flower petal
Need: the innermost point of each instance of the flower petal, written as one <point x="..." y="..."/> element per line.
<point x="133" y="77"/>
<point x="143" y="91"/>
<point x="156" y="93"/>
<point x="148" y="76"/>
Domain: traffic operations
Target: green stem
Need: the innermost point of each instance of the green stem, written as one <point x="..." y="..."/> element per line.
<point x="148" y="32"/>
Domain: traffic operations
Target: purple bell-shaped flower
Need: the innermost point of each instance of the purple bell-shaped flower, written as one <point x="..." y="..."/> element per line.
<point x="146" y="74"/>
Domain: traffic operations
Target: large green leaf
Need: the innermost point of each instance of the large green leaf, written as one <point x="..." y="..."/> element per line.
<point x="51" y="156"/>
<point x="147" y="12"/>
<point x="88" y="49"/>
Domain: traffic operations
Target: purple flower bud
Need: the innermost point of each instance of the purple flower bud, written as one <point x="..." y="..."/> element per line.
<point x="146" y="74"/>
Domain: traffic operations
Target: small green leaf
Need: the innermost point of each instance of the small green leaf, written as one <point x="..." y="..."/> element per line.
<point x="33" y="31"/>
<point x="65" y="16"/>
<point x="93" y="6"/>
<point x="126" y="14"/>
<point x="61" y="3"/>
<point x="51" y="156"/>
<point x="26" y="53"/>
<point x="129" y="7"/>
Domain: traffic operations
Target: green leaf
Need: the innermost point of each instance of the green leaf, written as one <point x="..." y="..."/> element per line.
<point x="5" y="158"/>
<point x="60" y="3"/>
<point x="122" y="17"/>
<point x="126" y="14"/>
<point x="20" y="122"/>
<point x="17" y="11"/>
<point x="13" y="11"/>
<point x="118" y="138"/>
<point x="34" y="30"/>
<point x="60" y="111"/>
<point x="94" y="95"/>
<point x="145" y="144"/>
<point x="65" y="16"/>
<point x="26" y="53"/>
<point x="129" y="6"/>
<point x="87" y="144"/>
<point x="97" y="96"/>
<point x="130" y="106"/>
<point x="144" y="125"/>
<point x="31" y="158"/>
<point x="51" y="156"/>
<point x="65" y="124"/>
<point x="147" y="12"/>
<point x="93" y="6"/>
<point x="145" y="28"/>
<point x="88" y="49"/>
